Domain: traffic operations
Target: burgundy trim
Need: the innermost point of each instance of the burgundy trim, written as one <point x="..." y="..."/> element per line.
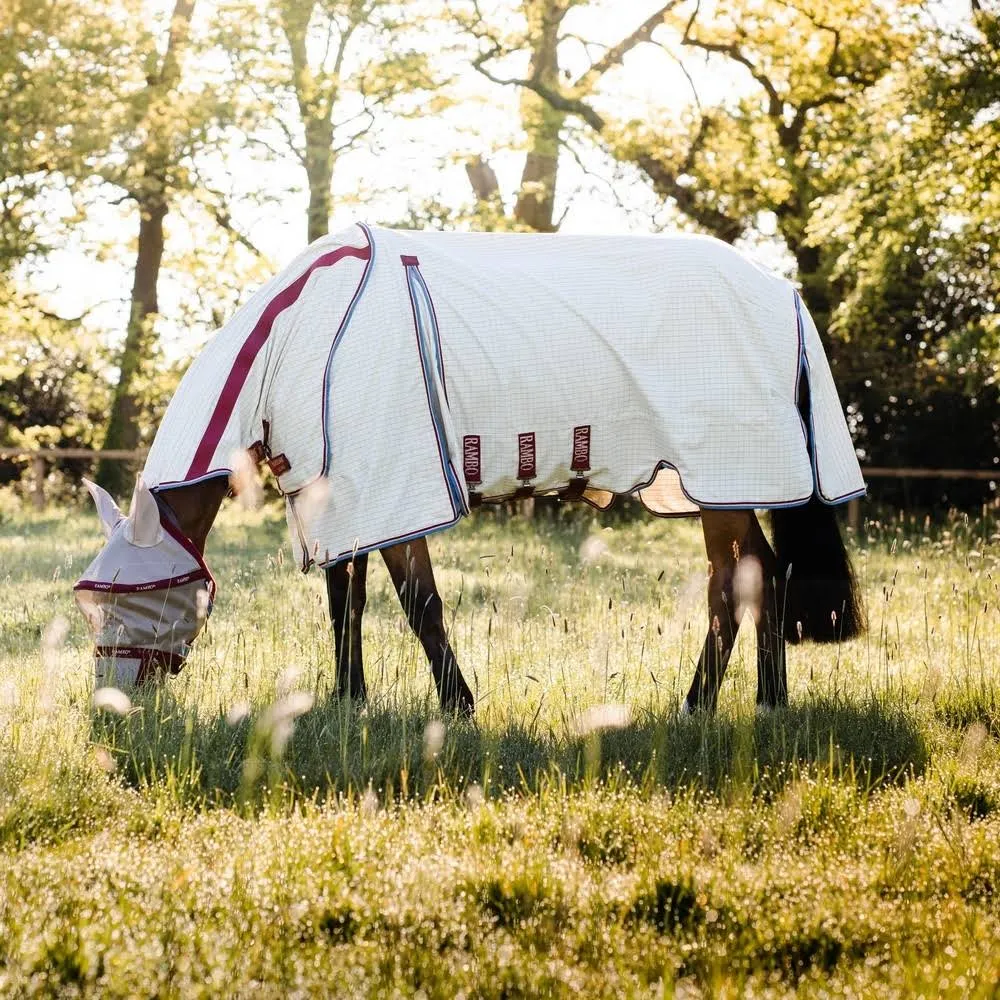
<point x="175" y="532"/>
<point x="581" y="449"/>
<point x="409" y="261"/>
<point x="526" y="455"/>
<point x="471" y="459"/>
<point x="137" y="588"/>
<point x="279" y="465"/>
<point x="248" y="354"/>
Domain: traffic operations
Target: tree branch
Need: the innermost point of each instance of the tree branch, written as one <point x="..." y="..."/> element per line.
<point x="666" y="183"/>
<point x="665" y="177"/>
<point x="570" y="105"/>
<point x="615" y="55"/>
<point x="734" y="52"/>
<point x="225" y="221"/>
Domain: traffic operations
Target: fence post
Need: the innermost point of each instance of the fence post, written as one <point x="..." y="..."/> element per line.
<point x="854" y="514"/>
<point x="38" y="482"/>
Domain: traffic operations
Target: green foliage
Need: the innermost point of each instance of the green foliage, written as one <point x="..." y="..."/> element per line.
<point x="914" y="226"/>
<point x="58" y="67"/>
<point x="51" y="390"/>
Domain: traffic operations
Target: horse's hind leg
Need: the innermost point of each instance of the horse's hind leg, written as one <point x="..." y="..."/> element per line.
<point x="409" y="566"/>
<point x="772" y="680"/>
<point x="725" y="532"/>
<point x="346" y="593"/>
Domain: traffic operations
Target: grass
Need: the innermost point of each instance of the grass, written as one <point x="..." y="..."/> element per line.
<point x="205" y="844"/>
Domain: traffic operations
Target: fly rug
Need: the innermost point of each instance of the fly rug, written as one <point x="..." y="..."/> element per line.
<point x="394" y="380"/>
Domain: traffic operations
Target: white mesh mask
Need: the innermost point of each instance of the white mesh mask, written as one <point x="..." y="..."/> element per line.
<point x="146" y="596"/>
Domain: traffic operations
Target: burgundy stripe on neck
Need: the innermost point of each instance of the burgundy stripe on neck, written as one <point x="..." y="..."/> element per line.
<point x="248" y="354"/>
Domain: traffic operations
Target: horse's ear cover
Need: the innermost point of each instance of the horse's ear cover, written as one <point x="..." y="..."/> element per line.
<point x="107" y="510"/>
<point x="143" y="528"/>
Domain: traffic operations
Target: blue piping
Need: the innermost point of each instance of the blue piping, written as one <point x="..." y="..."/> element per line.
<point x="327" y="403"/>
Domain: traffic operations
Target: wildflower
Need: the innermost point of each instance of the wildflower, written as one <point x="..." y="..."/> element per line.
<point x="111" y="699"/>
<point x="244" y="480"/>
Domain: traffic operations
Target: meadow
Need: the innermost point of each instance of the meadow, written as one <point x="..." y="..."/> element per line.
<point x="242" y="832"/>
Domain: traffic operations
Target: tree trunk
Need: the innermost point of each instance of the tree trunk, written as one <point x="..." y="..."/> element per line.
<point x="319" y="170"/>
<point x="123" y="427"/>
<point x="152" y="199"/>
<point x="536" y="199"/>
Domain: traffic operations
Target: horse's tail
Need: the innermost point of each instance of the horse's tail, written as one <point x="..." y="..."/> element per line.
<point x="822" y="598"/>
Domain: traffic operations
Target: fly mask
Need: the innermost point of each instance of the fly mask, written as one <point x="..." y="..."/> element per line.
<point x="148" y="593"/>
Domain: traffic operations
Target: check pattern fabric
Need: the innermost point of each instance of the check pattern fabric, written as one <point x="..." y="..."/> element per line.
<point x="402" y="376"/>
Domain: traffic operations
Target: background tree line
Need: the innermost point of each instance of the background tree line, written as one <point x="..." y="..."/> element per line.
<point x="856" y="143"/>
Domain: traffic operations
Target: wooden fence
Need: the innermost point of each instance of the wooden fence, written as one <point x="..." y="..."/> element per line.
<point x="40" y="458"/>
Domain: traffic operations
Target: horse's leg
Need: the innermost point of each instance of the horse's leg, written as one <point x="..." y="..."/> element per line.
<point x="725" y="532"/>
<point x="409" y="566"/>
<point x="346" y="593"/>
<point x="772" y="680"/>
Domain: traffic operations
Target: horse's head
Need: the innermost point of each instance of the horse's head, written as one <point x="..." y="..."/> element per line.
<point x="148" y="593"/>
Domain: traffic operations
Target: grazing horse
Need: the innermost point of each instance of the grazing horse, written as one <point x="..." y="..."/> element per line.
<point x="672" y="369"/>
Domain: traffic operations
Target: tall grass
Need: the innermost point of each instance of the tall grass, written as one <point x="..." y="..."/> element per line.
<point x="243" y="830"/>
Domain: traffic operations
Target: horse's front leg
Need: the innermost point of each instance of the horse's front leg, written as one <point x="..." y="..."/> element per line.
<point x="346" y="593"/>
<point x="409" y="566"/>
<point x="772" y="678"/>
<point x="724" y="533"/>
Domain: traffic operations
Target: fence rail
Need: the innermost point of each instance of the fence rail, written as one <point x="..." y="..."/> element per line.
<point x="900" y="472"/>
<point x="40" y="457"/>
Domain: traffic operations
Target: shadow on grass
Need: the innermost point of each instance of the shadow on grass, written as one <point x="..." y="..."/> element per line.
<point x="409" y="753"/>
<point x="970" y="704"/>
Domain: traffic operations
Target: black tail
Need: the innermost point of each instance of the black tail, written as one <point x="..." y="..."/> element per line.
<point x="822" y="597"/>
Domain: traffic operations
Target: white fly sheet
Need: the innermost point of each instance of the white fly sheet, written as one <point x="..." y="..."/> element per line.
<point x="413" y="373"/>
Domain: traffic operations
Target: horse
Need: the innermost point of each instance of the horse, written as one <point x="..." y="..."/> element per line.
<point x="516" y="360"/>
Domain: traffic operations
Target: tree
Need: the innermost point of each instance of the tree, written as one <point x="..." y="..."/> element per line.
<point x="163" y="125"/>
<point x="915" y="237"/>
<point x="97" y="114"/>
<point x="540" y="33"/>
<point x="57" y="69"/>
<point x="800" y="72"/>
<point x="319" y="74"/>
<point x="59" y="63"/>
<point x="52" y="389"/>
<point x="542" y="124"/>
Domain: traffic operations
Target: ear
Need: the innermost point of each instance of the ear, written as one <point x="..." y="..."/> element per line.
<point x="107" y="509"/>
<point x="144" y="517"/>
